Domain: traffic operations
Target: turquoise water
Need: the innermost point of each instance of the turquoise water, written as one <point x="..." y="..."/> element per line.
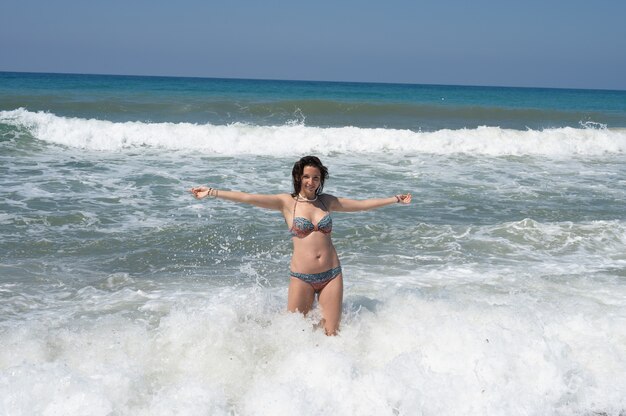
<point x="500" y="290"/>
<point x="323" y="104"/>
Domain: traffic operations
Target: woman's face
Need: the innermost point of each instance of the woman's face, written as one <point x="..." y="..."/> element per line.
<point x="311" y="179"/>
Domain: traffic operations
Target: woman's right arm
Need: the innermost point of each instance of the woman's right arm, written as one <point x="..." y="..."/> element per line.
<point x="275" y="202"/>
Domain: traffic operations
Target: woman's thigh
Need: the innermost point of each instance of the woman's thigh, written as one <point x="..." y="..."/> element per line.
<point x="331" y="303"/>
<point x="300" y="296"/>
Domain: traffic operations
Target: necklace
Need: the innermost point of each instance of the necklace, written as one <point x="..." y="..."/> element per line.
<point x="307" y="199"/>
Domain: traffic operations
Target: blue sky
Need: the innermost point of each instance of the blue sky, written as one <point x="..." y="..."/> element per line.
<point x="549" y="43"/>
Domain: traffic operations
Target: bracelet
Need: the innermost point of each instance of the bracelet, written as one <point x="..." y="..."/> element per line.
<point x="210" y="193"/>
<point x="398" y="199"/>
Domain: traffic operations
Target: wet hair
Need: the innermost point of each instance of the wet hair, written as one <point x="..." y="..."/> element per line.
<point x="298" y="171"/>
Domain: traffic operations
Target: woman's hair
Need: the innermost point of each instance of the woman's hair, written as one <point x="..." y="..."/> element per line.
<point x="298" y="171"/>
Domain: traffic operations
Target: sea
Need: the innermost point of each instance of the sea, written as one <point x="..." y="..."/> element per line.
<point x="500" y="290"/>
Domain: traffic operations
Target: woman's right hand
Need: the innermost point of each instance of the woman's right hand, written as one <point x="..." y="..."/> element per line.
<point x="404" y="199"/>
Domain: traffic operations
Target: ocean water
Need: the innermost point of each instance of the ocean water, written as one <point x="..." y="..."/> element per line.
<point x="500" y="290"/>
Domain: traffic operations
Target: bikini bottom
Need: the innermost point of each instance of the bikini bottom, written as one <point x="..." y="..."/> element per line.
<point x="318" y="280"/>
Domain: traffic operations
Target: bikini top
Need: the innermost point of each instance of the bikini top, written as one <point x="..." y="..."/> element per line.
<point x="301" y="227"/>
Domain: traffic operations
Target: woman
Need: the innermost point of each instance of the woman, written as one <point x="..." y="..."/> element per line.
<point x="315" y="267"/>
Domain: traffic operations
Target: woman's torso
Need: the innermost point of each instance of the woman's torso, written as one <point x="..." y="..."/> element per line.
<point x="310" y="224"/>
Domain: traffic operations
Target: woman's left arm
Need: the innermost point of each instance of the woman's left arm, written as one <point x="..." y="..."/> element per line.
<point x="352" y="205"/>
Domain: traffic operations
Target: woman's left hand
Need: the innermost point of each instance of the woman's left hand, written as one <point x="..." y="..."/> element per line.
<point x="200" y="191"/>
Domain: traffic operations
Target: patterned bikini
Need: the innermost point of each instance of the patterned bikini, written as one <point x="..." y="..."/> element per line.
<point x="302" y="227"/>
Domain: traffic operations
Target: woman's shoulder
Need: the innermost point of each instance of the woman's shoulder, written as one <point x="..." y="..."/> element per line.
<point x="328" y="200"/>
<point x="286" y="197"/>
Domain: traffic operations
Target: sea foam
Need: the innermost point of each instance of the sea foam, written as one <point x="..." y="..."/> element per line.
<point x="296" y="139"/>
<point x="227" y="351"/>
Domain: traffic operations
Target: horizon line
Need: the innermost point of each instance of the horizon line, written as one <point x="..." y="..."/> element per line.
<point x="309" y="80"/>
